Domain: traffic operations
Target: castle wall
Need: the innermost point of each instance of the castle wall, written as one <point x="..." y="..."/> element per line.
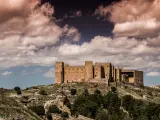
<point x="74" y="73"/>
<point x="100" y="72"/>
<point x="125" y="78"/>
<point x="139" y="77"/>
<point x="131" y="80"/>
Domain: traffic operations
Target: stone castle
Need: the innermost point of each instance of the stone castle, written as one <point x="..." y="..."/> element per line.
<point x="100" y="72"/>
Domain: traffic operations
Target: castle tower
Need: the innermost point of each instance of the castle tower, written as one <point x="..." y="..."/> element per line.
<point x="118" y="74"/>
<point x="113" y="74"/>
<point x="97" y="72"/>
<point x="108" y="71"/>
<point x="89" y="70"/>
<point x="59" y="73"/>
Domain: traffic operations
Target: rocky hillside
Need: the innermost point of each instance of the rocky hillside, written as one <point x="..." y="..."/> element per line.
<point x="11" y="109"/>
<point x="35" y="103"/>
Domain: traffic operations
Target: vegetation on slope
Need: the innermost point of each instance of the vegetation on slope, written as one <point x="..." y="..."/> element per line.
<point x="93" y="101"/>
<point x="9" y="109"/>
<point x="111" y="107"/>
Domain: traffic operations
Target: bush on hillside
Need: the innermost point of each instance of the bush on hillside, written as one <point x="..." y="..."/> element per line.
<point x="64" y="115"/>
<point x="39" y="110"/>
<point x="42" y="92"/>
<point x="111" y="102"/>
<point x="127" y="100"/>
<point x="54" y="109"/>
<point x="49" y="116"/>
<point x="101" y="115"/>
<point x="17" y="89"/>
<point x="18" y="92"/>
<point x="97" y="92"/>
<point x="73" y="91"/>
<point x="86" y="93"/>
<point x="113" y="89"/>
<point x="67" y="102"/>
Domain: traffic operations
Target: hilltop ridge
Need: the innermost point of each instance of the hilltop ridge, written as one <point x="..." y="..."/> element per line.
<point x="25" y="105"/>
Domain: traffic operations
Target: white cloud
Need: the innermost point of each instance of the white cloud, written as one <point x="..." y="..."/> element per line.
<point x="125" y="52"/>
<point x="29" y="34"/>
<point x="141" y="28"/>
<point x="6" y="73"/>
<point x="137" y="34"/>
<point x="134" y="17"/>
<point x="36" y="39"/>
<point x="50" y="73"/>
<point x="153" y="74"/>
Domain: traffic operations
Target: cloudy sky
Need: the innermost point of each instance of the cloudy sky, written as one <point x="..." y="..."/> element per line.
<point x="34" y="34"/>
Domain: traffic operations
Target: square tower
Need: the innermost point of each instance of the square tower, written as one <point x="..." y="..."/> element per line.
<point x="118" y="75"/>
<point x="59" y="73"/>
<point x="113" y="74"/>
<point x="89" y="70"/>
<point x="97" y="72"/>
<point x="108" y="71"/>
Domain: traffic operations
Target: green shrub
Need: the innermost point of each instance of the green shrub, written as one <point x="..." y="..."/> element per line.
<point x="97" y="92"/>
<point x="49" y="116"/>
<point x="113" y="89"/>
<point x="88" y="109"/>
<point x="73" y="91"/>
<point x="39" y="110"/>
<point x="17" y="89"/>
<point x="42" y="92"/>
<point x="67" y="102"/>
<point x="54" y="109"/>
<point x="86" y="93"/>
<point x="101" y="115"/>
<point x="111" y="102"/>
<point x="19" y="92"/>
<point x="64" y="115"/>
<point x="127" y="101"/>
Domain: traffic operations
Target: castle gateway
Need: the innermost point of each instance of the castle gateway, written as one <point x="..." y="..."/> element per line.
<point x="100" y="72"/>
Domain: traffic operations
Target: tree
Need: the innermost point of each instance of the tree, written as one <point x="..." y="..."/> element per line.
<point x="54" y="109"/>
<point x="78" y="102"/>
<point x="18" y="90"/>
<point x="86" y="93"/>
<point x="64" y="115"/>
<point x="127" y="100"/>
<point x="39" y="110"/>
<point x="113" y="89"/>
<point x="73" y="91"/>
<point x="42" y="92"/>
<point x="49" y="116"/>
<point x="97" y="92"/>
<point x="88" y="109"/>
<point x="67" y="102"/>
<point x="101" y="115"/>
<point x="111" y="102"/>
